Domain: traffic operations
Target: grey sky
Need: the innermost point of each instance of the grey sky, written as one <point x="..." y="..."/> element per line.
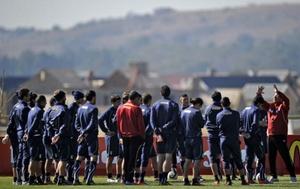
<point x="44" y="14"/>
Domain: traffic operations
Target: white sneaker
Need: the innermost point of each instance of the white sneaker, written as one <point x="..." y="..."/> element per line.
<point x="293" y="180"/>
<point x="110" y="180"/>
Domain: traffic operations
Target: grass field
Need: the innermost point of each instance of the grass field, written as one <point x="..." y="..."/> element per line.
<point x="5" y="183"/>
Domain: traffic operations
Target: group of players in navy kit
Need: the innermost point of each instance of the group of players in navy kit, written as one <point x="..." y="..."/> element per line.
<point x="137" y="131"/>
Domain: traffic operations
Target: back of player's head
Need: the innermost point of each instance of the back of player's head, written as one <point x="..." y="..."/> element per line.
<point x="59" y="95"/>
<point x="165" y="91"/>
<point x="90" y="95"/>
<point x="114" y="98"/>
<point x="52" y="101"/>
<point x="133" y="95"/>
<point x="41" y="99"/>
<point x="258" y="100"/>
<point x="216" y="96"/>
<point x="23" y="93"/>
<point x="125" y="97"/>
<point x="33" y="96"/>
<point x="77" y="95"/>
<point x="225" y="102"/>
<point x="146" y="98"/>
<point x="196" y="100"/>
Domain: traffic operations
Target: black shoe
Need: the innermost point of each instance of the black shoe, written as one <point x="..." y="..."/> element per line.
<point x="77" y="182"/>
<point x="228" y="182"/>
<point x="186" y="182"/>
<point x="55" y="180"/>
<point x="196" y="182"/>
<point x="70" y="179"/>
<point x="39" y="181"/>
<point x="166" y="183"/>
<point x="63" y="181"/>
<point x="91" y="182"/>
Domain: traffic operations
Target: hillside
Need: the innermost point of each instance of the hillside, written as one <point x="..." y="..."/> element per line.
<point x="171" y="41"/>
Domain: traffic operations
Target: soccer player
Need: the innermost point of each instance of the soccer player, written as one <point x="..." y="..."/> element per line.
<point x="87" y="125"/>
<point x="35" y="140"/>
<point x="164" y="120"/>
<point x="213" y="135"/>
<point x="20" y="117"/>
<point x="132" y="131"/>
<point x="50" y="150"/>
<point x="192" y="123"/>
<point x="277" y="132"/>
<point x="228" y="122"/>
<point x="183" y="103"/>
<point x="12" y="132"/>
<point x="144" y="151"/>
<point x="73" y="108"/>
<point x="109" y="127"/>
<point x="250" y="118"/>
<point x="58" y="121"/>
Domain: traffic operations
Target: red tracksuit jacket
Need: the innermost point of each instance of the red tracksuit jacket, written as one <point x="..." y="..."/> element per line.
<point x="130" y="120"/>
<point x="278" y="116"/>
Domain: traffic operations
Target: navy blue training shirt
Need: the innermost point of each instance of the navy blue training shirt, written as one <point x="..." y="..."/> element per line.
<point x="210" y="119"/>
<point x="192" y="122"/>
<point x="228" y="122"/>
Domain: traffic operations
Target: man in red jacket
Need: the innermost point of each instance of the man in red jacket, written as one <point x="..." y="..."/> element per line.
<point x="277" y="132"/>
<point x="132" y="130"/>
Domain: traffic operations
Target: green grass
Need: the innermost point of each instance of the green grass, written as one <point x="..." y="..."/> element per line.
<point x="5" y="183"/>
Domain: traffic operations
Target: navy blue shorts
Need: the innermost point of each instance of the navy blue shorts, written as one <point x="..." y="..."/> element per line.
<point x="168" y="145"/>
<point x="193" y="148"/>
<point x="36" y="149"/>
<point x="63" y="149"/>
<point x="231" y="149"/>
<point x="88" y="147"/>
<point x="112" y="144"/>
<point x="214" y="149"/>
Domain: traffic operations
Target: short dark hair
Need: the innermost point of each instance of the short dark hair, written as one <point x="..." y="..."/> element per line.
<point x="125" y="96"/>
<point x="184" y="95"/>
<point x="196" y="100"/>
<point x="114" y="98"/>
<point x="165" y="91"/>
<point x="41" y="99"/>
<point x="146" y="98"/>
<point x="22" y="93"/>
<point x="77" y="95"/>
<point x="33" y="96"/>
<point x="90" y="95"/>
<point x="52" y="101"/>
<point x="258" y="100"/>
<point x="216" y="96"/>
<point x="59" y="95"/>
<point x="133" y="95"/>
<point x="225" y="102"/>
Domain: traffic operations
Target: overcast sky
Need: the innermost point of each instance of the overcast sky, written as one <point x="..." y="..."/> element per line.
<point x="43" y="14"/>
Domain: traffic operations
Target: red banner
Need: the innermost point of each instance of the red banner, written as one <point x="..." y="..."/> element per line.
<point x="293" y="145"/>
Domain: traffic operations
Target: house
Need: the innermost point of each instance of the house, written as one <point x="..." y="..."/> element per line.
<point x="46" y="81"/>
